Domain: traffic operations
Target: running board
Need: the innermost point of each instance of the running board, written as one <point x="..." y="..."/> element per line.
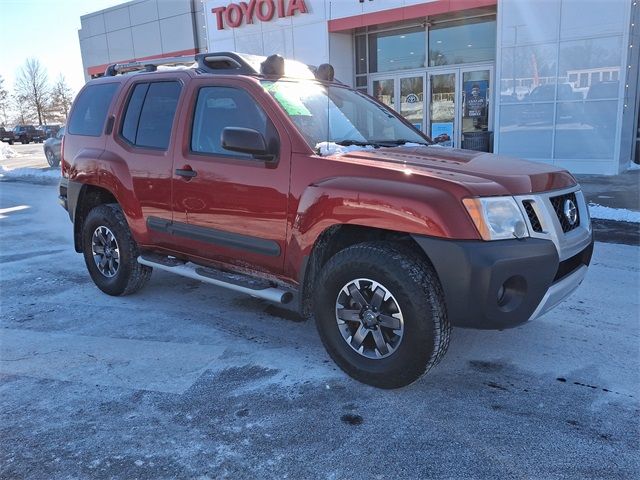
<point x="235" y="282"/>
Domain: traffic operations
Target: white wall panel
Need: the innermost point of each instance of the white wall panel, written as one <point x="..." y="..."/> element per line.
<point x="120" y="45"/>
<point x="116" y="19"/>
<point x="176" y="33"/>
<point x="146" y="39"/>
<point x="171" y="8"/>
<point x="143" y="12"/>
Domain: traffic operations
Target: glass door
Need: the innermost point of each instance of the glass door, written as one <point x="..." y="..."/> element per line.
<point x="384" y="90"/>
<point x="476" y="98"/>
<point x="442" y="108"/>
<point x="411" y="100"/>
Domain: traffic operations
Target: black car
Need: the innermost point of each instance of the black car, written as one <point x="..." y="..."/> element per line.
<point x="7" y="136"/>
<point x="27" y="134"/>
<point x="52" y="148"/>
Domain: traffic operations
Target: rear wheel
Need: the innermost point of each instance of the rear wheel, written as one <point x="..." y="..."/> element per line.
<point x="380" y="313"/>
<point x="111" y="253"/>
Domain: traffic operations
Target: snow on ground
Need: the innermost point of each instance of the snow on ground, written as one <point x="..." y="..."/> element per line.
<point x="41" y="176"/>
<point x="617" y="214"/>
<point x="6" y="151"/>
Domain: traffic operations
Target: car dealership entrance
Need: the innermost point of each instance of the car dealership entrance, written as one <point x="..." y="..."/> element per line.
<point x="557" y="84"/>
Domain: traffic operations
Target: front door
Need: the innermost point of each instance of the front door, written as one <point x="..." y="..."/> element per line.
<point x="404" y="93"/>
<point x="232" y="208"/>
<point x="443" y="127"/>
<point x="459" y="107"/>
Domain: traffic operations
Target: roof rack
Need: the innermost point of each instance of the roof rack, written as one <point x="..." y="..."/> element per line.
<point x="227" y="63"/>
<point x="148" y="65"/>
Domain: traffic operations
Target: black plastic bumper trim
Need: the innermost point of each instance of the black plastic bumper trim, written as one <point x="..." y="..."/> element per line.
<point x="492" y="285"/>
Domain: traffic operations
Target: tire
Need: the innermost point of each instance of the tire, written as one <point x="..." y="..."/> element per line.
<point x="123" y="275"/>
<point x="10" y="142"/>
<point x="416" y="297"/>
<point x="24" y="141"/>
<point x="51" y="158"/>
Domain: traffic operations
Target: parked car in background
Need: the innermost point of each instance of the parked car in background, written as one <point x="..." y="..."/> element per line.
<point x="52" y="148"/>
<point x="49" y="131"/>
<point x="27" y="134"/>
<point x="7" y="136"/>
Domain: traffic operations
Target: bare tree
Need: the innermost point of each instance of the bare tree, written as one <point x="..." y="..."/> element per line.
<point x="22" y="115"/>
<point x="32" y="86"/>
<point x="4" y="101"/>
<point x="61" y="99"/>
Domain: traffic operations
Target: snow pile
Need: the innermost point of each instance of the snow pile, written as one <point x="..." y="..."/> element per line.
<point x="617" y="214"/>
<point x="332" y="148"/>
<point x="44" y="176"/>
<point x="6" y="151"/>
<point x="633" y="166"/>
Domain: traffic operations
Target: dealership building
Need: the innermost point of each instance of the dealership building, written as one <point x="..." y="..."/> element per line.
<point x="553" y="81"/>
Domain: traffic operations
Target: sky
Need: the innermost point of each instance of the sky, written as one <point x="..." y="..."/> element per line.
<point x="46" y="30"/>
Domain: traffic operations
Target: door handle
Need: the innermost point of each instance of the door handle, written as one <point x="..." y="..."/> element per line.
<point x="186" y="172"/>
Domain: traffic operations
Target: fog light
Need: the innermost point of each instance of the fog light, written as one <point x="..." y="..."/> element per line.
<point x="511" y="293"/>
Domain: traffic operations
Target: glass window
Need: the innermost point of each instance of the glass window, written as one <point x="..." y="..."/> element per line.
<point x="156" y="117"/>
<point x="588" y="58"/>
<point x="526" y="129"/>
<point x="132" y="115"/>
<point x="452" y="44"/>
<point x="530" y="21"/>
<point x="397" y="50"/>
<point x="586" y="131"/>
<point x="361" y="54"/>
<point x="90" y="109"/>
<point x="221" y="107"/>
<point x="525" y="69"/>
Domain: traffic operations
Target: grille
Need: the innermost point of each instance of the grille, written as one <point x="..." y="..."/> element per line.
<point x="533" y="218"/>
<point x="558" y="207"/>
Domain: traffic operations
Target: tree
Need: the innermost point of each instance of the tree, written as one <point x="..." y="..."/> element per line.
<point x="4" y="101"/>
<point x="20" y="109"/>
<point x="61" y="99"/>
<point x="32" y="86"/>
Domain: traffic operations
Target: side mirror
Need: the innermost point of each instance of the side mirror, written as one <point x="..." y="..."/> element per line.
<point x="246" y="140"/>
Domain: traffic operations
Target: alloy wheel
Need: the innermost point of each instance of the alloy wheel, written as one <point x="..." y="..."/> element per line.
<point x="369" y="318"/>
<point x="106" y="252"/>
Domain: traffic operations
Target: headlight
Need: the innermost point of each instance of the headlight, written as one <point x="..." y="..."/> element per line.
<point x="496" y="218"/>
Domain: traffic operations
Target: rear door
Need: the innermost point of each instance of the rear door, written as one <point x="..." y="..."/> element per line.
<point x="140" y="149"/>
<point x="233" y="209"/>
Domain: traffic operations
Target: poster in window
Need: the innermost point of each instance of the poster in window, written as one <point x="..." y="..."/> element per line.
<point x="475" y="98"/>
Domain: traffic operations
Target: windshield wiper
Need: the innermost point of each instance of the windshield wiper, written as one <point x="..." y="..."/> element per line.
<point x="399" y="142"/>
<point x="358" y="143"/>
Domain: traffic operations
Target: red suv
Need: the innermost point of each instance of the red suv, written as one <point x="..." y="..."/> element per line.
<point x="251" y="174"/>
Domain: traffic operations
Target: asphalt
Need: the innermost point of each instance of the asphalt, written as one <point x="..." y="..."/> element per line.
<point x="185" y="380"/>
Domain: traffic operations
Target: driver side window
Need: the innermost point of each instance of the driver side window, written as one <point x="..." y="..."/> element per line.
<point x="221" y="107"/>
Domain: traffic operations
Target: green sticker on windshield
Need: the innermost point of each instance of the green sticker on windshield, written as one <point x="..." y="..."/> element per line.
<point x="291" y="103"/>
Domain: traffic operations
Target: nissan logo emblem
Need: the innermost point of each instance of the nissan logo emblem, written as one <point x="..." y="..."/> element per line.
<point x="570" y="211"/>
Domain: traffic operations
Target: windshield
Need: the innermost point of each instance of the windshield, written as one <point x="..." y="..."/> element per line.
<point x="335" y="114"/>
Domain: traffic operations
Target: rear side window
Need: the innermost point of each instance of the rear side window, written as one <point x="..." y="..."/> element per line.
<point x="149" y="116"/>
<point x="90" y="110"/>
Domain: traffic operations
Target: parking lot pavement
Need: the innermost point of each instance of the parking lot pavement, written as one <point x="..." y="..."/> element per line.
<point x="185" y="380"/>
<point x="30" y="155"/>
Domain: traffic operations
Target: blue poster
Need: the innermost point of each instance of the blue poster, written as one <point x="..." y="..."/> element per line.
<point x="442" y="133"/>
<point x="475" y="98"/>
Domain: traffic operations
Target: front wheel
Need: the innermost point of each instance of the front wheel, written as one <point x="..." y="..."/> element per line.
<point x="51" y="158"/>
<point x="111" y="253"/>
<point x="380" y="313"/>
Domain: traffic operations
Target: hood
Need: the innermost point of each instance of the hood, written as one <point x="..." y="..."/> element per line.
<point x="481" y="173"/>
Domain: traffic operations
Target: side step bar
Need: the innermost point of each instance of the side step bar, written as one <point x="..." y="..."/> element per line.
<point x="237" y="283"/>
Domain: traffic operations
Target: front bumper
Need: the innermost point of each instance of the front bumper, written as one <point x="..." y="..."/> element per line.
<point x="502" y="284"/>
